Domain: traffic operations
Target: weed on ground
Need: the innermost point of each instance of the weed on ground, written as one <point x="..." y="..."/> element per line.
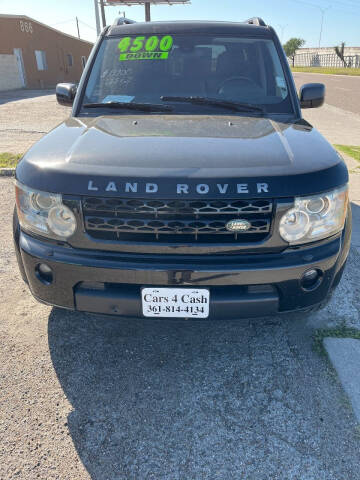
<point x="9" y="160"/>
<point x="328" y="71"/>
<point x="351" y="150"/>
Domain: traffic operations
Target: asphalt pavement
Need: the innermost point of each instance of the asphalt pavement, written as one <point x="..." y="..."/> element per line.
<point x="342" y="91"/>
<point x="339" y="119"/>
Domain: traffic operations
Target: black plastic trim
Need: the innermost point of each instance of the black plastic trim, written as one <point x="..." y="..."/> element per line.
<point x="226" y="303"/>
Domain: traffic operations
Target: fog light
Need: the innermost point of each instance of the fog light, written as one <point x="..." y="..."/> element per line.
<point x="311" y="279"/>
<point x="44" y="273"/>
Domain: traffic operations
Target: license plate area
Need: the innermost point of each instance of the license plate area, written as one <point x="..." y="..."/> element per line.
<point x="175" y="302"/>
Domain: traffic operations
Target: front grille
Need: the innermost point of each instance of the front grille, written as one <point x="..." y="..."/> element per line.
<point x="175" y="221"/>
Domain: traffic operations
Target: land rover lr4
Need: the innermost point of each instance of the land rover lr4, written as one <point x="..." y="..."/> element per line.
<point x="185" y="182"/>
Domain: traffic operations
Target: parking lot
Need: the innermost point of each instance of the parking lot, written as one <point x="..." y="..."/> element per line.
<point x="339" y="118"/>
<point x="25" y="116"/>
<point x="342" y="91"/>
<point x="93" y="397"/>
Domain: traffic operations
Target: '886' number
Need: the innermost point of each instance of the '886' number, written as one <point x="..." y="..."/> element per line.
<point x="151" y="44"/>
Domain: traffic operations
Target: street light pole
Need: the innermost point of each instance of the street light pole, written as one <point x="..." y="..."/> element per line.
<point x="77" y="25"/>
<point x="102" y="9"/>
<point x="282" y="27"/>
<point x="97" y="18"/>
<point x="147" y="12"/>
<point x="323" y="11"/>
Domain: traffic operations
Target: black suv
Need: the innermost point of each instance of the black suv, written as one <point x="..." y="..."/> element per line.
<point x="185" y="182"/>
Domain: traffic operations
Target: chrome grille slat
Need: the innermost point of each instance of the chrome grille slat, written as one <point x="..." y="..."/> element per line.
<point x="179" y="207"/>
<point x="195" y="227"/>
<point x="175" y="220"/>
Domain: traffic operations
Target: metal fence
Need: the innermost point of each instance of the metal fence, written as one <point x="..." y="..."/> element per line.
<point x="325" y="60"/>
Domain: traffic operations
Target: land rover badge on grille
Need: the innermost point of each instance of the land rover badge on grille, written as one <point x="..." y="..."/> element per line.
<point x="238" y="225"/>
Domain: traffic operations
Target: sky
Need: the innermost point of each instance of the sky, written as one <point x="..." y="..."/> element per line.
<point x="291" y="18"/>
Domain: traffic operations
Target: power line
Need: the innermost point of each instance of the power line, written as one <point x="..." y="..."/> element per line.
<point x="71" y="20"/>
<point x="344" y="3"/>
<point x="347" y="5"/>
<point x="86" y="25"/>
<point x="323" y="10"/>
<point x="60" y="23"/>
<point x="320" y="7"/>
<point x="77" y="21"/>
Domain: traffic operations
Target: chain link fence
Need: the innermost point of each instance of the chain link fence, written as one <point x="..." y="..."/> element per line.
<point x="325" y="60"/>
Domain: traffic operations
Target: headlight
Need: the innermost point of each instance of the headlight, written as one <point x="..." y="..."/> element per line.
<point x="44" y="213"/>
<point x="315" y="217"/>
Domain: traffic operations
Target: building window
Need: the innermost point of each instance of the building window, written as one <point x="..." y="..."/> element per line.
<point x="41" y="62"/>
<point x="83" y="61"/>
<point x="70" y="60"/>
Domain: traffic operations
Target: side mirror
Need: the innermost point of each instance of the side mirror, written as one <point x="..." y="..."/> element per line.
<point x="312" y="95"/>
<point x="65" y="93"/>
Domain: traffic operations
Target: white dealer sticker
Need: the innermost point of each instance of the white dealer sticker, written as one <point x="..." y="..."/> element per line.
<point x="175" y="302"/>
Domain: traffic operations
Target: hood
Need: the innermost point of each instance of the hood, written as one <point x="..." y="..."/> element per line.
<point x="225" y="155"/>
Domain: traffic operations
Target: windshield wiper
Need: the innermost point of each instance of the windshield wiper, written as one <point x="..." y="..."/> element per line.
<point x="144" y="107"/>
<point x="216" y="102"/>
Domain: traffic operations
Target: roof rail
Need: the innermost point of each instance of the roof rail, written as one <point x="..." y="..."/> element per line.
<point x="123" y="21"/>
<point x="256" y="21"/>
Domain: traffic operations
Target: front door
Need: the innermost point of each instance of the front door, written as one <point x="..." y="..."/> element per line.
<point x="19" y="59"/>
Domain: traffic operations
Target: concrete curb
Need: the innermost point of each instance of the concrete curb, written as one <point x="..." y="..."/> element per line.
<point x="7" y="172"/>
<point x="344" y="354"/>
<point x="327" y="74"/>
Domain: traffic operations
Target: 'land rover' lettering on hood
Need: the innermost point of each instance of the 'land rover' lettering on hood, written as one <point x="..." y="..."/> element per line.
<point x="181" y="188"/>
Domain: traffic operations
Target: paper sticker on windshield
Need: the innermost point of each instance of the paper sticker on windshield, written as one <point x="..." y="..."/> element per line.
<point x="280" y="82"/>
<point x="145" y="48"/>
<point x="118" y="98"/>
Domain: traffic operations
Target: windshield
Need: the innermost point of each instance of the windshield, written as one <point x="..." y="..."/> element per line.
<point x="155" y="69"/>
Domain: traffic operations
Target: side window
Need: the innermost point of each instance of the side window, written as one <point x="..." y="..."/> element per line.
<point x="41" y="62"/>
<point x="83" y="61"/>
<point x="70" y="60"/>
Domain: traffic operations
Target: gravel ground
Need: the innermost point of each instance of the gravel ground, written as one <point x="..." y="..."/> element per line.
<point x="89" y="397"/>
<point x="25" y="115"/>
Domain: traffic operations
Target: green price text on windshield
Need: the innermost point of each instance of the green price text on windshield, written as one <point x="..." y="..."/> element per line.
<point x="142" y="48"/>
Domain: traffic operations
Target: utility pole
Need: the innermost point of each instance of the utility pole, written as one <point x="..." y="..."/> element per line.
<point x="102" y="9"/>
<point x="97" y="18"/>
<point x="77" y="25"/>
<point x="147" y="12"/>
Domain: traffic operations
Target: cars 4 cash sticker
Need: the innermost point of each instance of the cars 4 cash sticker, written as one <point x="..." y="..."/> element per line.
<point x="145" y="48"/>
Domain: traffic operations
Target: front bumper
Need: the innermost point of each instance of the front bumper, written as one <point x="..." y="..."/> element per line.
<point x="240" y="285"/>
